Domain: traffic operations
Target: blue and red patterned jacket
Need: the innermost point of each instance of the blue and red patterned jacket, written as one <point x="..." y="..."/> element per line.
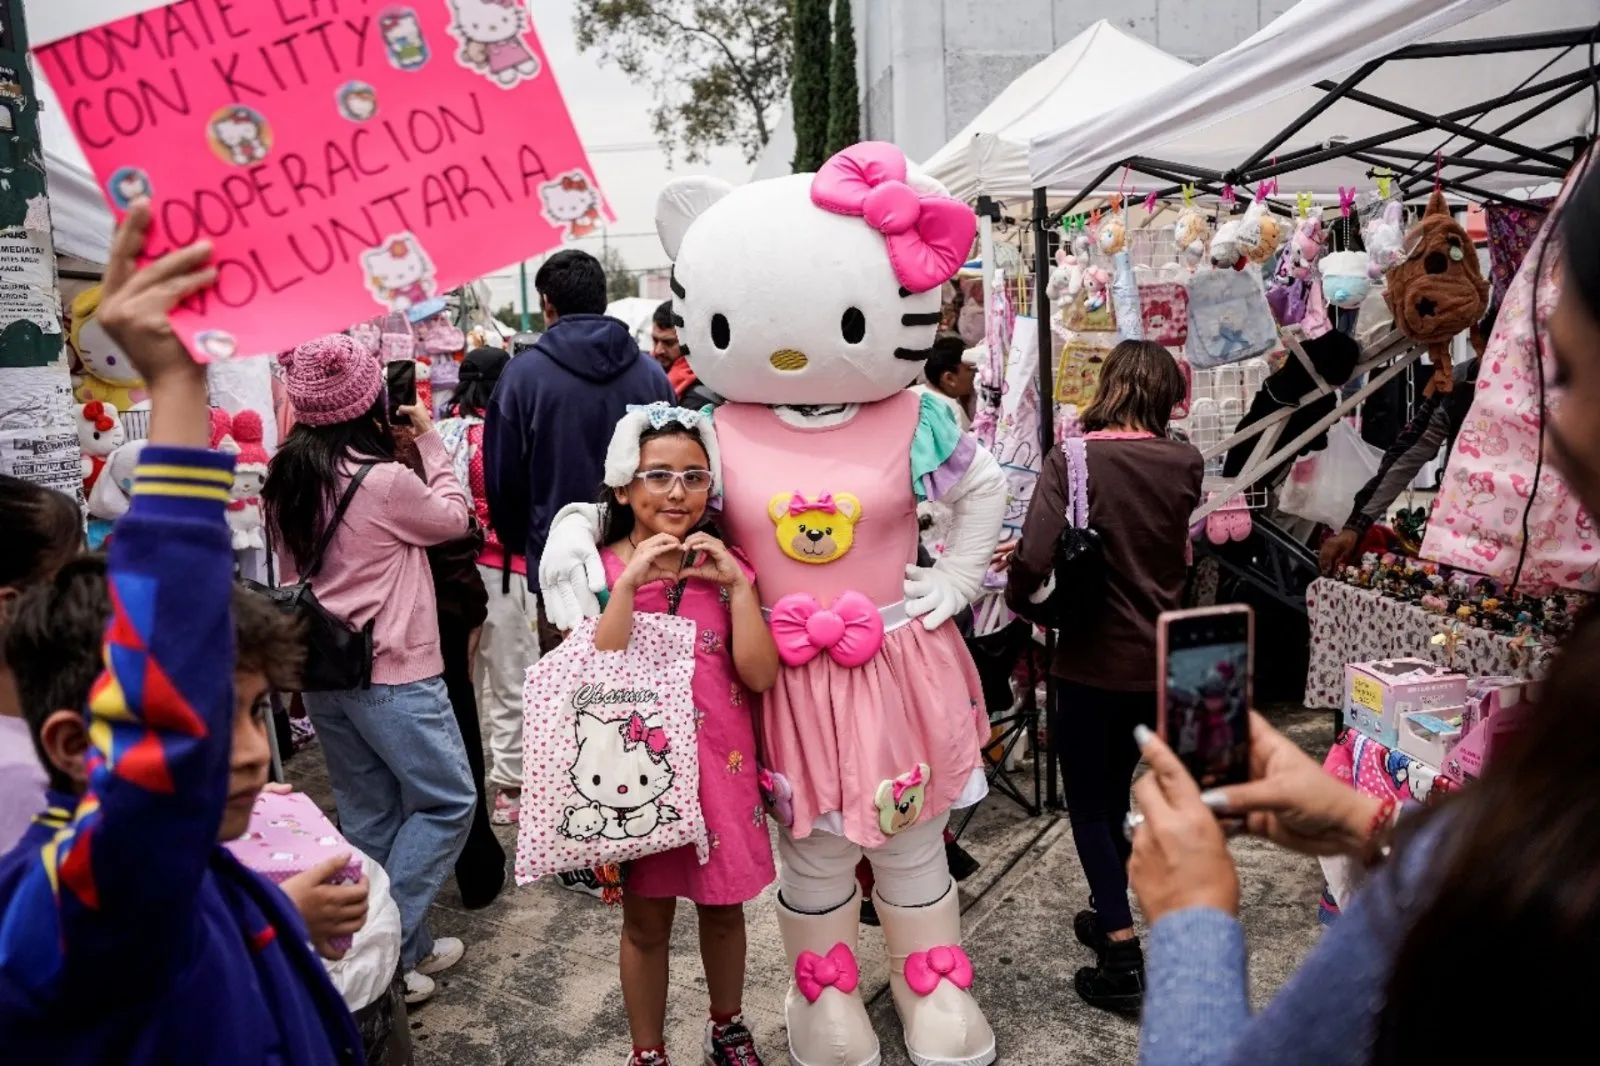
<point x="128" y="935"/>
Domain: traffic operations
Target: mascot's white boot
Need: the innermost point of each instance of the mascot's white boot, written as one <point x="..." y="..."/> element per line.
<point x="827" y="1021"/>
<point x="931" y="978"/>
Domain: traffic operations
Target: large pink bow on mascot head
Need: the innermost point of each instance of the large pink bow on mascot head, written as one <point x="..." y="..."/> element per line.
<point x="928" y="236"/>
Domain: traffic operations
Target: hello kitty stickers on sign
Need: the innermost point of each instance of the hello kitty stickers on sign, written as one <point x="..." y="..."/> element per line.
<point x="411" y="119"/>
<point x="612" y="769"/>
<point x="490" y="33"/>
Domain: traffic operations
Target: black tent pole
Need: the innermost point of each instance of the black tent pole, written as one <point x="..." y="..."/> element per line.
<point x="1047" y="433"/>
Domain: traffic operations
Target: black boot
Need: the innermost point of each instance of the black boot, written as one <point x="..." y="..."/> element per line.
<point x="1117" y="984"/>
<point x="1086" y="927"/>
<point x="962" y="864"/>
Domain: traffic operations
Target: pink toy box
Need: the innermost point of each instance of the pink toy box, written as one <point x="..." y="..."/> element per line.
<point x="1495" y="708"/>
<point x="288" y="835"/>
<point x="1378" y="695"/>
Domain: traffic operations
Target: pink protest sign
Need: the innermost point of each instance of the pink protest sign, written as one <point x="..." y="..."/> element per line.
<point x="344" y="157"/>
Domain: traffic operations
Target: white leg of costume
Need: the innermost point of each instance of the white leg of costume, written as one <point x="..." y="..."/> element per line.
<point x="929" y="973"/>
<point x="505" y="651"/>
<point x="819" y="914"/>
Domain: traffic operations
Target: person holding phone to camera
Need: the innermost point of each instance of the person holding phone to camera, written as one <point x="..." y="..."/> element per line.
<point x="349" y="519"/>
<point x="1142" y="487"/>
<point x="1477" y="926"/>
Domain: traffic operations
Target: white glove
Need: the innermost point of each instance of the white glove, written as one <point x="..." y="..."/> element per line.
<point x="571" y="574"/>
<point x="978" y="503"/>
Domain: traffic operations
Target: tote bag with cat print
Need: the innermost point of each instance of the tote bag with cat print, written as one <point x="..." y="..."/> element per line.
<point x="611" y="768"/>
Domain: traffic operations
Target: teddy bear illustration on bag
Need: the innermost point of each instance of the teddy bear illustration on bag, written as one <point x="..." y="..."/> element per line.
<point x="622" y="771"/>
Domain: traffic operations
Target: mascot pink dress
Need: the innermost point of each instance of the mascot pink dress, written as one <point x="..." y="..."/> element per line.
<point x="810" y="302"/>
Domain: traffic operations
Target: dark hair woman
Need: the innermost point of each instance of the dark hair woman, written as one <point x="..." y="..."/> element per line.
<point x="1497" y="886"/>
<point x="1142" y="489"/>
<point x="507" y="645"/>
<point x="395" y="754"/>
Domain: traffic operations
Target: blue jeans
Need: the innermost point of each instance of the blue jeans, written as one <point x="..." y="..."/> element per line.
<point x="405" y="792"/>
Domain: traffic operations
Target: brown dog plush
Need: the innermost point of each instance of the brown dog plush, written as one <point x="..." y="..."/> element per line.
<point x="1438" y="289"/>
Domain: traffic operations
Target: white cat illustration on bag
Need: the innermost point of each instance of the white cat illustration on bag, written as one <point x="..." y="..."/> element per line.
<point x="622" y="770"/>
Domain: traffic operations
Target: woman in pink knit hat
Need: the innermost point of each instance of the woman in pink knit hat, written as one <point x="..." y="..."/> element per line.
<point x="394" y="751"/>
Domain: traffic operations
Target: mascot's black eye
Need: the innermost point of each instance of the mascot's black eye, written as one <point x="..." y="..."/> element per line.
<point x="644" y="779"/>
<point x="802" y="529"/>
<point x="853" y="325"/>
<point x="719" y="332"/>
<point x="595" y="779"/>
<point x="828" y="531"/>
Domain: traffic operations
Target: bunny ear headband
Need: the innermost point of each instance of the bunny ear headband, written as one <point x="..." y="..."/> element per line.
<point x="622" y="457"/>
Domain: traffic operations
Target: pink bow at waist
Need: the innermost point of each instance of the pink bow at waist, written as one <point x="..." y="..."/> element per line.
<point x="850" y="629"/>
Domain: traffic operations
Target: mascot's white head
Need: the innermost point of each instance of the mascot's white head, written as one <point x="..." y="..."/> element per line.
<point x="815" y="288"/>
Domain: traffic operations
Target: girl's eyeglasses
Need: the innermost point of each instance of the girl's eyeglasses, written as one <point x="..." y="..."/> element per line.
<point x="660" y="482"/>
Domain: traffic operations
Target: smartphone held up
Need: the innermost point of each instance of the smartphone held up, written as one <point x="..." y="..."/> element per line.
<point x="402" y="375"/>
<point x="1207" y="662"/>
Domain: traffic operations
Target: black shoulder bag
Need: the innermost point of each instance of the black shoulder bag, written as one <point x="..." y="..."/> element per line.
<point x="1078" y="598"/>
<point x="338" y="658"/>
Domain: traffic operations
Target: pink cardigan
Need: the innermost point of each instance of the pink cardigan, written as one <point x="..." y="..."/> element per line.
<point x="377" y="565"/>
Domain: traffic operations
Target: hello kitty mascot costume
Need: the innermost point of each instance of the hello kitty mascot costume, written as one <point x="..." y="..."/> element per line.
<point x="810" y="302"/>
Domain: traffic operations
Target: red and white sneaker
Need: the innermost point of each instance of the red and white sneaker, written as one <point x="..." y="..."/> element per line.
<point x="648" y="1058"/>
<point x="731" y="1044"/>
<point x="506" y="808"/>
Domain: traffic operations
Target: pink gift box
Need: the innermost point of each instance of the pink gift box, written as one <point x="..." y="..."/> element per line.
<point x="1378" y="695"/>
<point x="1495" y="708"/>
<point x="289" y="835"/>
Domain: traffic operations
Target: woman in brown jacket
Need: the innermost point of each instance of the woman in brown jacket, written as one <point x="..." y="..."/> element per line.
<point x="1142" y="489"/>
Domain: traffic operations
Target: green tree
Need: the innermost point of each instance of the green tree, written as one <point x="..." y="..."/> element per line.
<point x="844" y="98"/>
<point x="718" y="67"/>
<point x="511" y="318"/>
<point x="808" y="89"/>
<point x="620" y="281"/>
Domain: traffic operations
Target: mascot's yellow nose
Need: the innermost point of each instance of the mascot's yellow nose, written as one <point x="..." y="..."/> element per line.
<point x="788" y="360"/>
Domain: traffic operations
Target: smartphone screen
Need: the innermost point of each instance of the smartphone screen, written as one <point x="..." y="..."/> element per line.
<point x="1207" y="662"/>
<point x="402" y="389"/>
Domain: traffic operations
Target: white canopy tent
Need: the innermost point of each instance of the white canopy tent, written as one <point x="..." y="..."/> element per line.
<point x="1089" y="75"/>
<point x="1315" y="82"/>
<point x="78" y="214"/>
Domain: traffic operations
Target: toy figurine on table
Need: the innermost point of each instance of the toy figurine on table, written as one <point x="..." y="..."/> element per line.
<point x="810" y="302"/>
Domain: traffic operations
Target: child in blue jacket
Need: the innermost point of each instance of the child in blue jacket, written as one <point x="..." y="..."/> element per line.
<point x="128" y="934"/>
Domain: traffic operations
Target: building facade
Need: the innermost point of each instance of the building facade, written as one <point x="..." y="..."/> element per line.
<point x="927" y="67"/>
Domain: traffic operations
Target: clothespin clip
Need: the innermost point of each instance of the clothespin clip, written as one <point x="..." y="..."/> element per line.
<point x="1266" y="187"/>
<point x="1227" y="195"/>
<point x="1150" y="203"/>
<point x="1347" y="200"/>
<point x="1188" y="195"/>
<point x="1385" y="178"/>
<point x="1116" y="202"/>
<point x="1302" y="203"/>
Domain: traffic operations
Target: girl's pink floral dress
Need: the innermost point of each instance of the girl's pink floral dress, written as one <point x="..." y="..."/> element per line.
<point x="741" y="851"/>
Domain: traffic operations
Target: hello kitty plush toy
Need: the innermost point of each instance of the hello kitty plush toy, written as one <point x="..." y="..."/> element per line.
<point x="99" y="434"/>
<point x="810" y="302"/>
<point x="106" y="373"/>
<point x="249" y="475"/>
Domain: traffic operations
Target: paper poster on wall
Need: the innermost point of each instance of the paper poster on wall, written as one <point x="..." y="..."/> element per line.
<point x="345" y="160"/>
<point x="36" y="397"/>
<point x="27" y="281"/>
<point x="47" y="457"/>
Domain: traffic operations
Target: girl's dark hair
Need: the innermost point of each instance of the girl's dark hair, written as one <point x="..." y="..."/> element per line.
<point x="302" y="488"/>
<point x="616" y="520"/>
<point x="1140" y="384"/>
<point x="40" y="529"/>
<point x="1511" y="900"/>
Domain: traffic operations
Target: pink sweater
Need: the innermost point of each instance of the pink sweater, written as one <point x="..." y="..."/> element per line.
<point x="377" y="565"/>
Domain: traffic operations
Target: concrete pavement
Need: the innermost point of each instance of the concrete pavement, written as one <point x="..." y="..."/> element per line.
<point x="539" y="987"/>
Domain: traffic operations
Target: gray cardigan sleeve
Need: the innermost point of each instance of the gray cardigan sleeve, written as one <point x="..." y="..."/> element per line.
<point x="1197" y="1009"/>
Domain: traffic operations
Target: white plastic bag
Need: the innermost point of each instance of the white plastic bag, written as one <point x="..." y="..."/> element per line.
<point x="1322" y="486"/>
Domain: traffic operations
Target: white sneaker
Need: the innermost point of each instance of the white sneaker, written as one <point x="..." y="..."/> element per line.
<point x="447" y="951"/>
<point x="419" y="988"/>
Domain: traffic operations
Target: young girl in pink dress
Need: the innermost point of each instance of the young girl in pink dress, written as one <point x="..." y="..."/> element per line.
<point x="659" y="558"/>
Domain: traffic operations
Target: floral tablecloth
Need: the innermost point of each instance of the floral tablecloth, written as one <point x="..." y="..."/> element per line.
<point x="1351" y="625"/>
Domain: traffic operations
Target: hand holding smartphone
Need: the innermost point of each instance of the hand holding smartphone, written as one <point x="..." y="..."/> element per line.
<point x="1207" y="661"/>
<point x="402" y="379"/>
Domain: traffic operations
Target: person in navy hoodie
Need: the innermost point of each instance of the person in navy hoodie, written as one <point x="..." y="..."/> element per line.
<point x="128" y="934"/>
<point x="550" y="418"/>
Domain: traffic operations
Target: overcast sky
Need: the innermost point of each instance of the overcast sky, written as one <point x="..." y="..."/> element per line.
<point x="613" y="119"/>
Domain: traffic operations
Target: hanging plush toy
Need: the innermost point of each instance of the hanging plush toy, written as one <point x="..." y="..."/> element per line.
<point x="113" y="488"/>
<point x="99" y="434"/>
<point x="1113" y="235"/>
<point x="1192" y="235"/>
<point x="107" y="374"/>
<point x="1438" y="289"/>
<point x="1227" y="247"/>
<point x="1345" y="280"/>
<point x="1062" y="289"/>
<point x="1260" y="233"/>
<point x="1385" y="238"/>
<point x="873" y="730"/>
<point x="249" y="474"/>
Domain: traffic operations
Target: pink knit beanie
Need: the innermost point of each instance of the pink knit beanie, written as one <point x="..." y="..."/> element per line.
<point x="331" y="379"/>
